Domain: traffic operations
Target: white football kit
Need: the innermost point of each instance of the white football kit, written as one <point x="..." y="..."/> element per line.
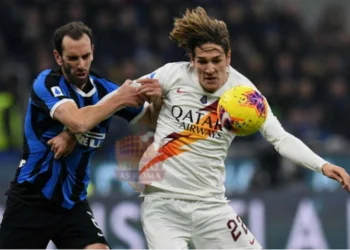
<point x="184" y="170"/>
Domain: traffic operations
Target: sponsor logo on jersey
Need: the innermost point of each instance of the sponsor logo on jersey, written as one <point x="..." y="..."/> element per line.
<point x="91" y="139"/>
<point x="198" y="122"/>
<point x="195" y="125"/>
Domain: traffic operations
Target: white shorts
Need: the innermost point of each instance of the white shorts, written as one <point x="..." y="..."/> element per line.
<point x="180" y="224"/>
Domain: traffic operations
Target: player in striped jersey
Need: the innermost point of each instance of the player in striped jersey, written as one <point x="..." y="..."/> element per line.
<point x="47" y="198"/>
<point x="185" y="205"/>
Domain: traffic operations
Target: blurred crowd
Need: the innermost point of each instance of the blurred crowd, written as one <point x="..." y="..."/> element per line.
<point x="301" y="71"/>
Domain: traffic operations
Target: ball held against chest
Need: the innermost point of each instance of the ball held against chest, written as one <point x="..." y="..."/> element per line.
<point x="242" y="110"/>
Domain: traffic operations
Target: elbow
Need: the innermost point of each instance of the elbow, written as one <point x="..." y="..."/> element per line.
<point x="282" y="141"/>
<point x="78" y="127"/>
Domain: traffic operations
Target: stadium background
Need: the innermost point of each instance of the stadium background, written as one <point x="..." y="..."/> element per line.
<point x="295" y="51"/>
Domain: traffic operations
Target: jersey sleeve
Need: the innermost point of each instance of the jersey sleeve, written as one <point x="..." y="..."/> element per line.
<point x="286" y="144"/>
<point x="47" y="94"/>
<point x="290" y="146"/>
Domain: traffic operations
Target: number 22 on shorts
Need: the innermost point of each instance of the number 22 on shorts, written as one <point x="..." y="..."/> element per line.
<point x="236" y="230"/>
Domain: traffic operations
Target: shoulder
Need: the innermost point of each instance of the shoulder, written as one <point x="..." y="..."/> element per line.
<point x="171" y="68"/>
<point x="239" y="78"/>
<point x="48" y="76"/>
<point x="177" y="66"/>
<point x="108" y="84"/>
<point x="171" y="71"/>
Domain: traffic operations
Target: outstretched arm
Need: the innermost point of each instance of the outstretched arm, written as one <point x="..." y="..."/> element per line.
<point x="64" y="143"/>
<point x="83" y="119"/>
<point x="296" y="151"/>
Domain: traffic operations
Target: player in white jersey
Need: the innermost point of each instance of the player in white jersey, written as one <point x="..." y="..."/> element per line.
<point x="184" y="203"/>
<point x="185" y="206"/>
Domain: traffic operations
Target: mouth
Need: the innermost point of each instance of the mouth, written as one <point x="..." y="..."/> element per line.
<point x="210" y="79"/>
<point x="81" y="75"/>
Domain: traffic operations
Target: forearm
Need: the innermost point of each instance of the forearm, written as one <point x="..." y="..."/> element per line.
<point x="92" y="115"/>
<point x="84" y="119"/>
<point x="296" y="151"/>
<point x="289" y="146"/>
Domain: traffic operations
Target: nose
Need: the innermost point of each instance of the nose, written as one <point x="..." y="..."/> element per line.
<point x="81" y="64"/>
<point x="210" y="69"/>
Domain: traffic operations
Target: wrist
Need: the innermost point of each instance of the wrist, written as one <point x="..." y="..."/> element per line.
<point x="67" y="134"/>
<point x="68" y="131"/>
<point x="119" y="101"/>
<point x="113" y="100"/>
<point x="323" y="167"/>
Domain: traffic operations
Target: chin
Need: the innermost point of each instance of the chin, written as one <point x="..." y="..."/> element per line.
<point x="211" y="88"/>
<point x="80" y="82"/>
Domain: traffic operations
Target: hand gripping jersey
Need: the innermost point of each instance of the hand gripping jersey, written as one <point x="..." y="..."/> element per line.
<point x="186" y="159"/>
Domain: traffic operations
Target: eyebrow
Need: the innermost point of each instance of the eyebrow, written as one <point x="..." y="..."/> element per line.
<point x="87" y="54"/>
<point x="215" y="57"/>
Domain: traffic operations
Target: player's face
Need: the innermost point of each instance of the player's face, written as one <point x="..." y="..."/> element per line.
<point x="211" y="64"/>
<point x="76" y="59"/>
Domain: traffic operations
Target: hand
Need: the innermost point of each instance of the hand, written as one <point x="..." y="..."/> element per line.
<point x="151" y="89"/>
<point x="130" y="95"/>
<point x="63" y="144"/>
<point x="337" y="173"/>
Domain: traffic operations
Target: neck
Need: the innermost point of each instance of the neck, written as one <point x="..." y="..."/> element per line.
<point x="82" y="86"/>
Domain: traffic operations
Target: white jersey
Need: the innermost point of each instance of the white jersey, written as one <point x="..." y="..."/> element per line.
<point x="189" y="149"/>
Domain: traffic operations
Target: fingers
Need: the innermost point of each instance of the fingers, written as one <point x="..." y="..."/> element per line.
<point x="61" y="153"/>
<point x="152" y="89"/>
<point x="335" y="176"/>
<point x="346" y="187"/>
<point x="147" y="80"/>
<point x="345" y="180"/>
<point x="127" y="82"/>
<point x="149" y="83"/>
<point x="138" y="101"/>
<point x="58" y="155"/>
<point x="340" y="175"/>
<point x="55" y="149"/>
<point x="62" y="145"/>
<point x="150" y="92"/>
<point x="136" y="104"/>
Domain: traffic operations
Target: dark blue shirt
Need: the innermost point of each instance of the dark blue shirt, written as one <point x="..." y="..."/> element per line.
<point x="40" y="177"/>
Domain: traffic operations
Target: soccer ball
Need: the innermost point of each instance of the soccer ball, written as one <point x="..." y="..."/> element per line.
<point x="242" y="110"/>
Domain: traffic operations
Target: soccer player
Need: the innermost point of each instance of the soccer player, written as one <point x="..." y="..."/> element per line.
<point x="187" y="207"/>
<point x="47" y="198"/>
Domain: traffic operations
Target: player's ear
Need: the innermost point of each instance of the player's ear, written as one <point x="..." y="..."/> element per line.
<point x="58" y="57"/>
<point x="92" y="51"/>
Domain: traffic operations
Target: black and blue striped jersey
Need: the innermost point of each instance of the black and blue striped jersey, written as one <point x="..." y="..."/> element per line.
<point x="41" y="178"/>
